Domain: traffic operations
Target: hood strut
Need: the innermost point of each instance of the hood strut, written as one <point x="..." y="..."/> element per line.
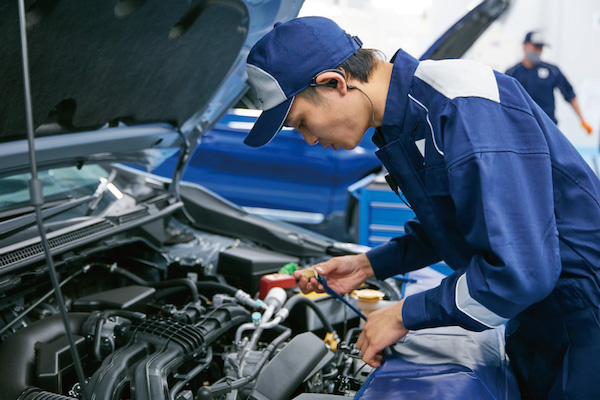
<point x="184" y="156"/>
<point x="37" y="200"/>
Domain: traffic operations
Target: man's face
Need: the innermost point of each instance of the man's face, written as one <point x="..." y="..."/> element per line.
<point x="533" y="53"/>
<point x="530" y="47"/>
<point x="334" y="120"/>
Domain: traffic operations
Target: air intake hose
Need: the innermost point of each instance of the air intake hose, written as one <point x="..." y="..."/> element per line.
<point x="157" y="348"/>
<point x="38" y="394"/>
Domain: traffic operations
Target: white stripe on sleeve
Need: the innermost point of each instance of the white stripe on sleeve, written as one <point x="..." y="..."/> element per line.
<point x="472" y="308"/>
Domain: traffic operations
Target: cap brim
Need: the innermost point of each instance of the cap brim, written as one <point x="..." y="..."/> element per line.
<point x="536" y="44"/>
<point x="268" y="124"/>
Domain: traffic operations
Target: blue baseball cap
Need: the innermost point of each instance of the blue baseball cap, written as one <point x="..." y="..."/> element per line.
<point x="283" y="63"/>
<point x="536" y="38"/>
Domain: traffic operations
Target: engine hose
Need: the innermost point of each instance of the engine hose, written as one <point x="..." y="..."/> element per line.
<point x="157" y="347"/>
<point x="295" y="300"/>
<point x="38" y="394"/>
<point x="217" y="287"/>
<point x="351" y="332"/>
<point x="104" y="315"/>
<point x="179" y="282"/>
<point x="209" y="392"/>
<point x="168" y="283"/>
<point x="202" y="285"/>
<point x="129" y="275"/>
<point x="348" y="340"/>
<point x="192" y="374"/>
<point x="17" y="352"/>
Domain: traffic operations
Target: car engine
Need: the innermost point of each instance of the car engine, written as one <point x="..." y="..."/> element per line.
<point x="165" y="309"/>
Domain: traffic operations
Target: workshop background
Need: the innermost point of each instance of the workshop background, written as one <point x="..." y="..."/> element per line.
<point x="571" y="27"/>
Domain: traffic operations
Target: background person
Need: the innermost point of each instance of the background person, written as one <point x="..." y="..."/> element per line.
<point x="540" y="78"/>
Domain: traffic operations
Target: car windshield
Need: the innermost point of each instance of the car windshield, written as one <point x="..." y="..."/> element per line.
<point x="57" y="183"/>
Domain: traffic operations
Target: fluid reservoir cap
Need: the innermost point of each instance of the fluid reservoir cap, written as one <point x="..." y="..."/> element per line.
<point x="256" y="316"/>
<point x="268" y="282"/>
<point x="368" y="295"/>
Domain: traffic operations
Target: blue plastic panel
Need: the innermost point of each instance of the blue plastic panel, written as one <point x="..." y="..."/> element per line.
<point x="444" y="363"/>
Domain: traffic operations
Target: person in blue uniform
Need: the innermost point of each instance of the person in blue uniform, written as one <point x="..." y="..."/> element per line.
<point x="499" y="192"/>
<point x="540" y="78"/>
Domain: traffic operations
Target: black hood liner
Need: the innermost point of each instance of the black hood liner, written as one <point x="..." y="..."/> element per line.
<point x="94" y="62"/>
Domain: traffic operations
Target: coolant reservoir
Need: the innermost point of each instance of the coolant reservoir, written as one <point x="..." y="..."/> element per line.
<point x="369" y="300"/>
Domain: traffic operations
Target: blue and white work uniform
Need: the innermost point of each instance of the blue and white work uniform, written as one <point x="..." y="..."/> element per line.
<point x="540" y="82"/>
<point x="508" y="203"/>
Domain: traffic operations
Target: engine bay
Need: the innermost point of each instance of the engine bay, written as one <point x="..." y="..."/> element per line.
<point x="162" y="309"/>
<point x="173" y="338"/>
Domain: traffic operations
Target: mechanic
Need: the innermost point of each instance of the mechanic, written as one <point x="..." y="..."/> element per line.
<point x="541" y="78"/>
<point x="499" y="192"/>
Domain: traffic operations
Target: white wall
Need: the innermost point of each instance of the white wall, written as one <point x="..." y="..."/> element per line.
<point x="390" y="24"/>
<point x="572" y="28"/>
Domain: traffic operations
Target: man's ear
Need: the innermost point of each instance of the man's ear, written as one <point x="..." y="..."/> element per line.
<point x="332" y="79"/>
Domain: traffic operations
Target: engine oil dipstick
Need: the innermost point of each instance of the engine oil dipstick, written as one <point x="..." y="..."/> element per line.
<point x="333" y="293"/>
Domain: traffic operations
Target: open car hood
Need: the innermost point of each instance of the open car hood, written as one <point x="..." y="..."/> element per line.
<point x="461" y="36"/>
<point x="97" y="68"/>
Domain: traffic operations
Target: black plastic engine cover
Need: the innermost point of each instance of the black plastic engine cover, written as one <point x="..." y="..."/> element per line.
<point x="289" y="368"/>
<point x="243" y="266"/>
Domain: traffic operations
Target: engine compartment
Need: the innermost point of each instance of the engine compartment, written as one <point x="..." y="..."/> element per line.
<point x="157" y="311"/>
<point x="150" y="338"/>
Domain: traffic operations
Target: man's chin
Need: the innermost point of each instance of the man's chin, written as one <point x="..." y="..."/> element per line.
<point x="350" y="146"/>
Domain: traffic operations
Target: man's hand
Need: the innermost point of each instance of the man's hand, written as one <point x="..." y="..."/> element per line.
<point x="343" y="274"/>
<point x="586" y="126"/>
<point x="383" y="328"/>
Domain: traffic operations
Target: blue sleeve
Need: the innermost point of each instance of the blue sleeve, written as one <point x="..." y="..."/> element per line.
<point x="504" y="205"/>
<point x="403" y="254"/>
<point x="565" y="87"/>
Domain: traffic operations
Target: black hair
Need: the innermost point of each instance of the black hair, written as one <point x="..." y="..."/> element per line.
<point x="359" y="66"/>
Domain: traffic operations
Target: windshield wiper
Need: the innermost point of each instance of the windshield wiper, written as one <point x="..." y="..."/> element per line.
<point x="15" y="224"/>
<point x="24" y="221"/>
<point x="100" y="191"/>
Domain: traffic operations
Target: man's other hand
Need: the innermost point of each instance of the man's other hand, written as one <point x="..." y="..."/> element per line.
<point x="383" y="328"/>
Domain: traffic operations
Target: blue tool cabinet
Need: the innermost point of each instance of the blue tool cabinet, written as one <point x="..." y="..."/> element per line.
<point x="381" y="214"/>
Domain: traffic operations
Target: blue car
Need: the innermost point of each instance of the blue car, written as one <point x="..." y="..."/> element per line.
<point x="287" y="180"/>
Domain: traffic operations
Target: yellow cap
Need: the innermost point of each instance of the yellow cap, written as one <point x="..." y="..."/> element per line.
<point x="330" y="340"/>
<point x="368" y="295"/>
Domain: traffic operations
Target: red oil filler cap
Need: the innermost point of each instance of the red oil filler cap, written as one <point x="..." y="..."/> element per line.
<point x="269" y="281"/>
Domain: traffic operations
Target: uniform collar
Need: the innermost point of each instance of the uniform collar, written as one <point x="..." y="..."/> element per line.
<point x="397" y="99"/>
